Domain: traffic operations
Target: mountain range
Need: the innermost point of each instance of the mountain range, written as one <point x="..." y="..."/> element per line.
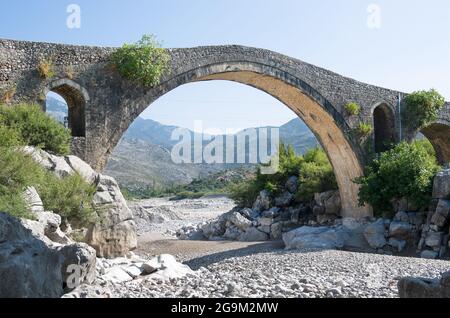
<point x="142" y="158"/>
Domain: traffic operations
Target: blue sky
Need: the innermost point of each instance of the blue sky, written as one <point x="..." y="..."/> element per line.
<point x="410" y="50"/>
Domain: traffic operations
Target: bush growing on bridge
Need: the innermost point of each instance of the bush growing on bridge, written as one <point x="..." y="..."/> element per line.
<point x="28" y="125"/>
<point x="406" y="171"/>
<point x="422" y="108"/>
<point x="353" y="109"/>
<point x="45" y="69"/>
<point x="144" y="61"/>
<point x="313" y="169"/>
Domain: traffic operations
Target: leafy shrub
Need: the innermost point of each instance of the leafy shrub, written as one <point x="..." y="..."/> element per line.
<point x="9" y="137"/>
<point x="45" y="69"/>
<point x="36" y="128"/>
<point x="244" y="193"/>
<point x="353" y="109"/>
<point x="70" y="197"/>
<point x="422" y="108"/>
<point x="313" y="169"/>
<point x="144" y="61"/>
<point x="364" y="129"/>
<point x="406" y="171"/>
<point x="316" y="175"/>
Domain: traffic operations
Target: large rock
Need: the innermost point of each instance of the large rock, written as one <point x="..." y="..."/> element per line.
<point x="329" y="202"/>
<point x="284" y="199"/>
<point x="374" y="233"/>
<point x="252" y="234"/>
<point x="441" y="186"/>
<point x="400" y="230"/>
<point x="115" y="234"/>
<point x="292" y="184"/>
<point x="314" y="237"/>
<point x="442" y="214"/>
<point x="411" y="287"/>
<point x="434" y="239"/>
<point x="165" y="267"/>
<point x="82" y="168"/>
<point x="239" y="221"/>
<point x="262" y="203"/>
<point x="33" y="200"/>
<point x="28" y="267"/>
<point x="79" y="265"/>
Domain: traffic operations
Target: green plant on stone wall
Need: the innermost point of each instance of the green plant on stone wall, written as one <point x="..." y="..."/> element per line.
<point x="46" y="69"/>
<point x="364" y="129"/>
<point x="353" y="109"/>
<point x="144" y="62"/>
<point x="422" y="108"/>
<point x="8" y="94"/>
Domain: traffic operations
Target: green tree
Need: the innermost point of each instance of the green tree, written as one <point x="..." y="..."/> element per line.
<point x="406" y="171"/>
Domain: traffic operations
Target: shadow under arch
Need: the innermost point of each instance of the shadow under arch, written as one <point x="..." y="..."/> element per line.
<point x="77" y="99"/>
<point x="384" y="128"/>
<point x="318" y="114"/>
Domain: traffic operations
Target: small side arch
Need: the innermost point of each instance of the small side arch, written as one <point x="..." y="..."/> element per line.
<point x="77" y="99"/>
<point x="384" y="128"/>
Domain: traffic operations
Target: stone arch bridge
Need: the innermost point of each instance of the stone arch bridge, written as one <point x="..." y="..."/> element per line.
<point x="102" y="105"/>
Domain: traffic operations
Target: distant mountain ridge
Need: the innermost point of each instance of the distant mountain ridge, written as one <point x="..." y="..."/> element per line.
<point x="142" y="157"/>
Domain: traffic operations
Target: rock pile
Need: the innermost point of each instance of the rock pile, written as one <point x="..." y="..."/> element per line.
<point x="269" y="217"/>
<point x="115" y="235"/>
<point x="33" y="265"/>
<point x="434" y="241"/>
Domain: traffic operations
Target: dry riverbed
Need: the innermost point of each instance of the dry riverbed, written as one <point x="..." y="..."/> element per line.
<point x="242" y="269"/>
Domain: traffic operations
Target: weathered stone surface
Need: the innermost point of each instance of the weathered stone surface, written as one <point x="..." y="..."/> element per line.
<point x="284" y="199"/>
<point x="441" y="186"/>
<point x="79" y="265"/>
<point x="330" y="201"/>
<point x="292" y="184"/>
<point x="429" y="254"/>
<point x="28" y="267"/>
<point x="411" y="287"/>
<point x="82" y="168"/>
<point x="400" y="229"/>
<point x="397" y="244"/>
<point x="115" y="235"/>
<point x="252" y="234"/>
<point x="375" y="234"/>
<point x="167" y="268"/>
<point x="33" y="200"/>
<point x="262" y="203"/>
<point x="434" y="239"/>
<point x="239" y="221"/>
<point x="442" y="214"/>
<point x="276" y="231"/>
<point x="314" y="237"/>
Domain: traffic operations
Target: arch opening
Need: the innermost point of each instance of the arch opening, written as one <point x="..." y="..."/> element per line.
<point x="439" y="136"/>
<point x="384" y="128"/>
<point x="76" y="101"/>
<point x="309" y="105"/>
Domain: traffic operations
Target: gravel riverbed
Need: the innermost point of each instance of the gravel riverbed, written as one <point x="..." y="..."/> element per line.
<point x="242" y="269"/>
